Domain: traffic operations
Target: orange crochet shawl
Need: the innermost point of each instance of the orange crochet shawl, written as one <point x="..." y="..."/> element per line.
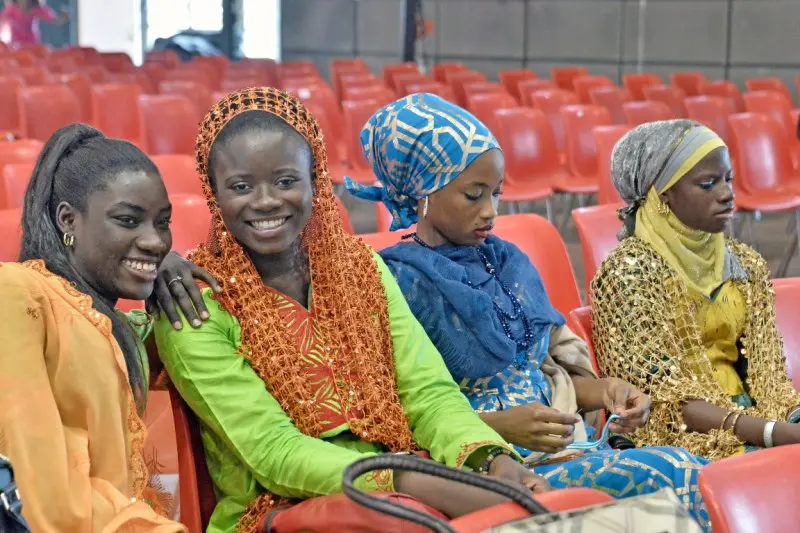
<point x="349" y="302"/>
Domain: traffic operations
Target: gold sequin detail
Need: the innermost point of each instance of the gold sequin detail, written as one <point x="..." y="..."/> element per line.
<point x="646" y="332"/>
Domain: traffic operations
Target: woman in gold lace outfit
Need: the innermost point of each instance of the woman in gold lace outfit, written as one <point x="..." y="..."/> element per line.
<point x="683" y="313"/>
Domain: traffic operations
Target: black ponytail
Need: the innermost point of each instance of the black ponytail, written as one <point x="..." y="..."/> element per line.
<point x="77" y="161"/>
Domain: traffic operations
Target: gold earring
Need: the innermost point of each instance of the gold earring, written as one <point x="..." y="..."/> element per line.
<point x="663" y="208"/>
<point x="425" y="208"/>
<point x="69" y="240"/>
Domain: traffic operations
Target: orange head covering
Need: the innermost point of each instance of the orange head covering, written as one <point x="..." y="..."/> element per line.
<point x="349" y="303"/>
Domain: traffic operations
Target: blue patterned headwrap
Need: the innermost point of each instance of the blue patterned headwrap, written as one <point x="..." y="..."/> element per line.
<point x="416" y="146"/>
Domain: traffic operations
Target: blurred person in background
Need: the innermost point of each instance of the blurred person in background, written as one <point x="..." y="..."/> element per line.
<point x="22" y="19"/>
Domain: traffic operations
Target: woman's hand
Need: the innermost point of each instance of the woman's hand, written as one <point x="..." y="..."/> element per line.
<point x="623" y="399"/>
<point x="176" y="281"/>
<point x="534" y="426"/>
<point x="507" y="468"/>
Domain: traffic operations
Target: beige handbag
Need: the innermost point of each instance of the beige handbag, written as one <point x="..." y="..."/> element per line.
<point x="658" y="512"/>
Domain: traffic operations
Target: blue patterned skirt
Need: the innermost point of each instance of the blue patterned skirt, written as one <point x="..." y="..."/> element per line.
<point x="624" y="473"/>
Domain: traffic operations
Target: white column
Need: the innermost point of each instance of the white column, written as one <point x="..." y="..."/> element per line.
<point x="112" y="26"/>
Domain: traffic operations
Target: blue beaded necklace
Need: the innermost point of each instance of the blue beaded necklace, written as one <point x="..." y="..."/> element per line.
<point x="524" y="344"/>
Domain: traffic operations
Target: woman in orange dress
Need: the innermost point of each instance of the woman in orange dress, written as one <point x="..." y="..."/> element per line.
<point x="73" y="370"/>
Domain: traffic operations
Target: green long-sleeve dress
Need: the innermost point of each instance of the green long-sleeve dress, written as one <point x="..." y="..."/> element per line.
<point x="252" y="445"/>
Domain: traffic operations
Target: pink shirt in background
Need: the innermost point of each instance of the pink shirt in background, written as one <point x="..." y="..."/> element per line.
<point x="24" y="25"/>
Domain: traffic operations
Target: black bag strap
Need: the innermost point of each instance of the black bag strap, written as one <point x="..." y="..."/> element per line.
<point x="10" y="502"/>
<point x="412" y="463"/>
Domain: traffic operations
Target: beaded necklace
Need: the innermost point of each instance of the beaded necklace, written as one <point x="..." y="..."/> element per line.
<point x="524" y="344"/>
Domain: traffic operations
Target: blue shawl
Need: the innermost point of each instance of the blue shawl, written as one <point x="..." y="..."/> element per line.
<point x="461" y="320"/>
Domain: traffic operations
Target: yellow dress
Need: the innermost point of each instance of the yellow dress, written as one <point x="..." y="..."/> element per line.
<point x="68" y="421"/>
<point x="721" y="322"/>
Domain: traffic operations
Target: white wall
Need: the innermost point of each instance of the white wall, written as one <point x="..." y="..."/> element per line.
<point x="112" y="26"/>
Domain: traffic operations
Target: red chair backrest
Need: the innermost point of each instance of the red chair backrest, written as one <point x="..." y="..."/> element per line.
<point x="612" y="98"/>
<point x="96" y="73"/>
<point x="115" y="108"/>
<point x="579" y="120"/>
<point x="713" y="111"/>
<point x="787" y="314"/>
<point x="32" y="75"/>
<point x="606" y="138"/>
<point x="529" y="146"/>
<point x="597" y="230"/>
<point x="46" y="108"/>
<point x="584" y="84"/>
<point x="199" y="94"/>
<point x="169" y="124"/>
<point x="9" y="110"/>
<point x="198" y="498"/>
<point x="551" y="103"/>
<point x="564" y="76"/>
<point x="774" y="105"/>
<point x="635" y="83"/>
<point x="757" y="491"/>
<point x="672" y="96"/>
<point x="81" y="85"/>
<point x="296" y="69"/>
<point x="482" y="87"/>
<point x="336" y="156"/>
<point x="15" y="178"/>
<point x="691" y="83"/>
<point x="344" y="216"/>
<point x="769" y="84"/>
<point x="484" y="105"/>
<point x="512" y="78"/>
<point x="115" y="61"/>
<point x="457" y="80"/>
<point x="544" y="246"/>
<point x="11" y="229"/>
<point x="233" y="84"/>
<point x="441" y="70"/>
<point x="356" y="115"/>
<point x="391" y="70"/>
<point x="191" y="222"/>
<point x="580" y="322"/>
<point x="762" y="156"/>
<point x="434" y="87"/>
<point x="401" y="81"/>
<point x="376" y="93"/>
<point x="21" y="151"/>
<point x="726" y="89"/>
<point x="323" y="99"/>
<point x="526" y="88"/>
<point x="179" y="172"/>
<point x="647" y="111"/>
<point x="196" y="75"/>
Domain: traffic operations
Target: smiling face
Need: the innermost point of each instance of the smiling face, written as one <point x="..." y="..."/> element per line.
<point x="121" y="236"/>
<point x="463" y="211"/>
<point x="703" y="198"/>
<point x="263" y="181"/>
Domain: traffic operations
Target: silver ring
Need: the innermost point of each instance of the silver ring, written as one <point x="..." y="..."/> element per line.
<point x="173" y="280"/>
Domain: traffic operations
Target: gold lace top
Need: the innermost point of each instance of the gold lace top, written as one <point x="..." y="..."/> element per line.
<point x="646" y="332"/>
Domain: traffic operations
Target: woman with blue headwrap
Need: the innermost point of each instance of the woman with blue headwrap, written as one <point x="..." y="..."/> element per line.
<point x="483" y="304"/>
